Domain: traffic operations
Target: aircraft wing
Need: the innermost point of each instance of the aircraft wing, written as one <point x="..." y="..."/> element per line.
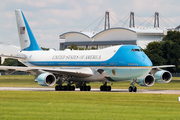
<point x="163" y="66"/>
<point x="157" y="68"/>
<point x="83" y="72"/>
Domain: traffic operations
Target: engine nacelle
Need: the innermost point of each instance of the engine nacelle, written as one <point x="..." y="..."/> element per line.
<point x="46" y="79"/>
<point x="147" y="81"/>
<point x="162" y="76"/>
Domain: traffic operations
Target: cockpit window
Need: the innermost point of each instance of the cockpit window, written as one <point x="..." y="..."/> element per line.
<point x="138" y="50"/>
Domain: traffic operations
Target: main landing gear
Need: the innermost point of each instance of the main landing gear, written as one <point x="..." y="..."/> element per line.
<point x="133" y="87"/>
<point x="84" y="87"/>
<point x="104" y="87"/>
<point x="61" y="87"/>
<point x="64" y="88"/>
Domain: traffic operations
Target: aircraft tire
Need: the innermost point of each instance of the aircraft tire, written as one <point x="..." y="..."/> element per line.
<point x="56" y="88"/>
<point x="72" y="88"/>
<point x="101" y="88"/>
<point x="81" y="88"/>
<point x="85" y="88"/>
<point x="109" y="88"/>
<point x="89" y="88"/>
<point x="130" y="89"/>
<point x="62" y="88"/>
<point x="135" y="89"/>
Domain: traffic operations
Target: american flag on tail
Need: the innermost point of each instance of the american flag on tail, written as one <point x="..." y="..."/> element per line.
<point x="22" y="30"/>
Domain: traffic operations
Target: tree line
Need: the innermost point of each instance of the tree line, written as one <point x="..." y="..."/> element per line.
<point x="165" y="52"/>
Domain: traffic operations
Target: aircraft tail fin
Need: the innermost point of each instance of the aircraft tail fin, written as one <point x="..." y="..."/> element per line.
<point x="26" y="37"/>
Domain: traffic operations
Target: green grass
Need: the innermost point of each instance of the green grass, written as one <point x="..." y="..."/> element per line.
<point x="41" y="105"/>
<point x="176" y="78"/>
<point x="18" y="81"/>
<point x="28" y="81"/>
<point x="53" y="105"/>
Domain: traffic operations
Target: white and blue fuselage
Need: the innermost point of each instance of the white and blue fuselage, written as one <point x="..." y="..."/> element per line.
<point x="123" y="62"/>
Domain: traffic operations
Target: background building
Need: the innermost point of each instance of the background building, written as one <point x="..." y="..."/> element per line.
<point x="140" y="36"/>
<point x="112" y="36"/>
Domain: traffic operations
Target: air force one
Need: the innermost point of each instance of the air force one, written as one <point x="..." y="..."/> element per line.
<point x="112" y="64"/>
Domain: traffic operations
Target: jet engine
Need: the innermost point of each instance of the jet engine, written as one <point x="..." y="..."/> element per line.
<point x="46" y="79"/>
<point x="147" y="81"/>
<point x="162" y="76"/>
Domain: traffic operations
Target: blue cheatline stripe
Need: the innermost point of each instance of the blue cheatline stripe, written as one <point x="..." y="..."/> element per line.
<point x="33" y="43"/>
<point x="123" y="57"/>
<point x="56" y="63"/>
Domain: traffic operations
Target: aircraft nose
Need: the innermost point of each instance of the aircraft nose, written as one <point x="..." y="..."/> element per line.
<point x="146" y="61"/>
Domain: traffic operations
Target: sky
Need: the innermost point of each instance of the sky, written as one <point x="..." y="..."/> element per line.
<point x="50" y="18"/>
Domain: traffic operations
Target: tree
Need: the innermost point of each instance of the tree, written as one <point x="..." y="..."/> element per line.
<point x="171" y="51"/>
<point x="73" y="47"/>
<point x="172" y="36"/>
<point x="166" y="52"/>
<point x="154" y="52"/>
<point x="45" y="49"/>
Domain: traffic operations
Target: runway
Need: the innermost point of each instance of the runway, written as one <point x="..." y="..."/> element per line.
<point x="92" y="90"/>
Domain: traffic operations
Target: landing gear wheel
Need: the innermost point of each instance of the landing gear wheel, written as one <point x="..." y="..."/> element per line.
<point x="72" y="88"/>
<point x="56" y="88"/>
<point x="109" y="88"/>
<point x="101" y="88"/>
<point x="81" y="88"/>
<point x="134" y="89"/>
<point x="65" y="87"/>
<point x="84" y="87"/>
<point x="89" y="88"/>
<point x="105" y="88"/>
<point x="130" y="89"/>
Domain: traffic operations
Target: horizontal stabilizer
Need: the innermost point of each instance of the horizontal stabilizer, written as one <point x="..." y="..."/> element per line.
<point x="3" y="57"/>
<point x="14" y="57"/>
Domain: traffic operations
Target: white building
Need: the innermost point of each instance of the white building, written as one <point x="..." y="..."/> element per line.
<point x="113" y="36"/>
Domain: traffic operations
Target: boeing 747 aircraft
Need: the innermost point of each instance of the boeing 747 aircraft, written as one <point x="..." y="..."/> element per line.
<point x="112" y="64"/>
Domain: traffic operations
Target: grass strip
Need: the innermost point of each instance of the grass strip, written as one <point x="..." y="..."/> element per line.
<point x="44" y="105"/>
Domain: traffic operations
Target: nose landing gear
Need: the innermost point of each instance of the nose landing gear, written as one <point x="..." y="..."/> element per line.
<point x="133" y="87"/>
